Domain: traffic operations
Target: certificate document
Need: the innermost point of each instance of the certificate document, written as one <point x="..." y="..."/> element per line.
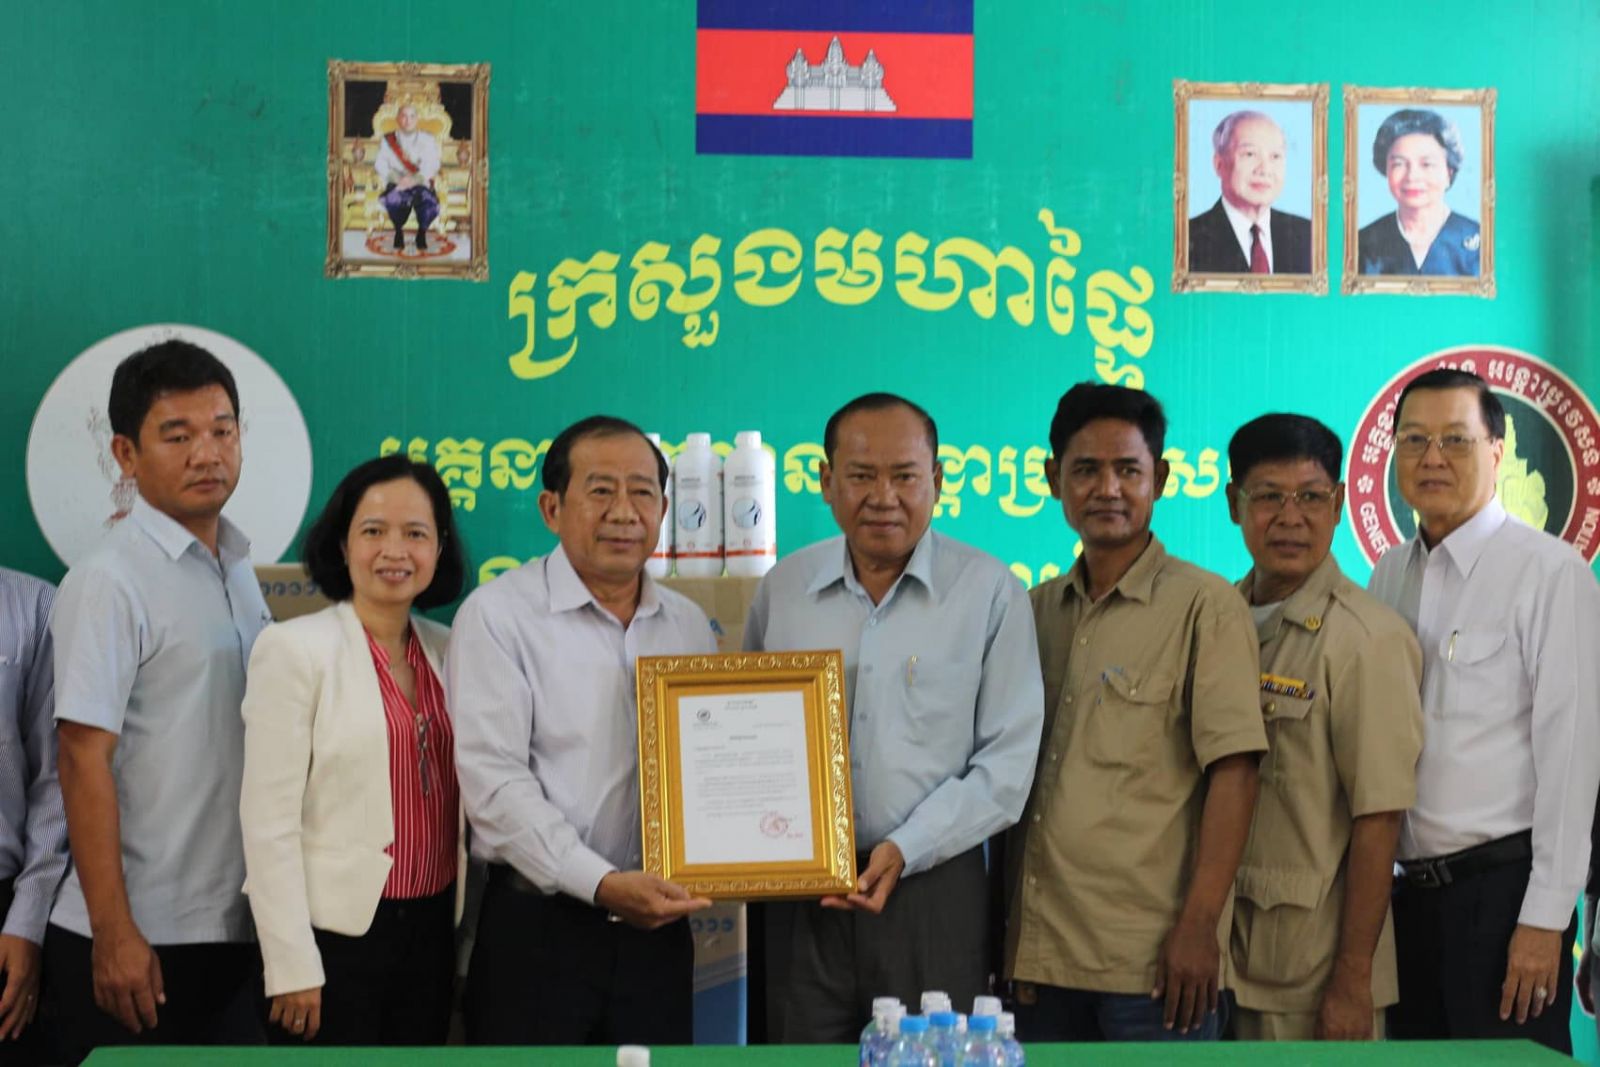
<point x="746" y="778"/>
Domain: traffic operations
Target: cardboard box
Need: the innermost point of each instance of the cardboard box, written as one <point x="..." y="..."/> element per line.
<point x="289" y="591"/>
<point x="726" y="602"/>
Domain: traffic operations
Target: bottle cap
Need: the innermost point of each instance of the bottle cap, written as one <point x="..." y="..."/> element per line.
<point x="986" y="1005"/>
<point x="880" y="1003"/>
<point x="698" y="440"/>
<point x="983" y="1024"/>
<point x="1005" y="1023"/>
<point x="747" y="437"/>
<point x="935" y="1000"/>
<point x="943" y="1019"/>
<point x="913" y="1024"/>
<point x="633" y="1056"/>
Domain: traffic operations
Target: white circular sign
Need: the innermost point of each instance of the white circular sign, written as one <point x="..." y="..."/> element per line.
<point x="77" y="490"/>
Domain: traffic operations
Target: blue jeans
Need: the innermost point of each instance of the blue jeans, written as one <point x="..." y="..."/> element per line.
<point x="1082" y="1015"/>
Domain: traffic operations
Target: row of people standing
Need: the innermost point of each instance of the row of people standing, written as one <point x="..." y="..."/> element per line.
<point x="1157" y="689"/>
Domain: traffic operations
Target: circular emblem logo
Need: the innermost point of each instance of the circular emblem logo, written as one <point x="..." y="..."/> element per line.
<point x="774" y="825"/>
<point x="77" y="490"/>
<point x="1550" y="472"/>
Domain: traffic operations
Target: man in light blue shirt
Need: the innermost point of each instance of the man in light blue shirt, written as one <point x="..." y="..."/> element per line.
<point x="946" y="703"/>
<point x="33" y="826"/>
<point x="150" y="940"/>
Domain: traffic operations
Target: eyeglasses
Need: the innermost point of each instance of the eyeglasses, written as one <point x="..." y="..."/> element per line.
<point x="1272" y="501"/>
<point x="422" y="755"/>
<point x="1415" y="445"/>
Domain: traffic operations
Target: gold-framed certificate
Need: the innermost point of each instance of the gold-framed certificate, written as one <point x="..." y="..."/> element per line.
<point x="744" y="774"/>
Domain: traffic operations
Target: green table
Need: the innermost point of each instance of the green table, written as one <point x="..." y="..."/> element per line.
<point x="1226" y="1054"/>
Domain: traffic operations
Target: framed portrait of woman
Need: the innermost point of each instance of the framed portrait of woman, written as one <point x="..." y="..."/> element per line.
<point x="1419" y="191"/>
<point x="1250" y="187"/>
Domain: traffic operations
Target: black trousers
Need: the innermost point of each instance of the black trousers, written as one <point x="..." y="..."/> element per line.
<point x="213" y="997"/>
<point x="392" y="985"/>
<point x="824" y="966"/>
<point x="1450" y="945"/>
<point x="551" y="970"/>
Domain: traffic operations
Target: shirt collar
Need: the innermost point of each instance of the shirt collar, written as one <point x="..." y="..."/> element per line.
<point x="175" y="539"/>
<point x="568" y="593"/>
<point x="1241" y="227"/>
<point x="1136" y="584"/>
<point x="1306" y="606"/>
<point x="1464" y="545"/>
<point x="838" y="568"/>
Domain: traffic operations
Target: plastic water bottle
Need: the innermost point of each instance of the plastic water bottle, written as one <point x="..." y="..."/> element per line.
<point x="910" y="1049"/>
<point x="659" y="565"/>
<point x="1005" y="1028"/>
<point x="943" y="1039"/>
<point x="750" y="519"/>
<point x="935" y="1000"/>
<point x="983" y="1048"/>
<point x="877" y="1037"/>
<point x="697" y="509"/>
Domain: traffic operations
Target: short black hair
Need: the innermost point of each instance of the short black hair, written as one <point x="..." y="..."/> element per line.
<point x="1087" y="401"/>
<point x="324" y="554"/>
<point x="878" y="402"/>
<point x="1494" y="415"/>
<point x="172" y="366"/>
<point x="558" y="460"/>
<point x="1418" y="120"/>
<point x="1271" y="438"/>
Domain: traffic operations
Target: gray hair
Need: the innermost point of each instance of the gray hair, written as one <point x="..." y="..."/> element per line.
<point x="1222" y="136"/>
<point x="1418" y="120"/>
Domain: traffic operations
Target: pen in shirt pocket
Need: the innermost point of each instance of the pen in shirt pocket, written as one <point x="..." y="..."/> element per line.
<point x="911" y="671"/>
<point x="1450" y="653"/>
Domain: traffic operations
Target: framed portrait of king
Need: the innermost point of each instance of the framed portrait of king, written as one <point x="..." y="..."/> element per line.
<point x="408" y="178"/>
<point x="1250" y="187"/>
<point x="1419" y="191"/>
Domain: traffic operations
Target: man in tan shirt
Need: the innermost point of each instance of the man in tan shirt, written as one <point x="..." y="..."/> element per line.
<point x="1121" y="871"/>
<point x="1313" y="942"/>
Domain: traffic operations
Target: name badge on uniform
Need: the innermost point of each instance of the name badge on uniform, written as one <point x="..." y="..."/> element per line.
<point x="1281" y="686"/>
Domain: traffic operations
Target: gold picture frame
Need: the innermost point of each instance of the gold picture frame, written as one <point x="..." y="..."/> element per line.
<point x="364" y="104"/>
<point x="1185" y="276"/>
<point x="1358" y="145"/>
<point x="739" y="711"/>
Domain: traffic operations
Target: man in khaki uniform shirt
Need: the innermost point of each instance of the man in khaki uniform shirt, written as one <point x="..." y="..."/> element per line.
<point x="1121" y="870"/>
<point x="1313" y="942"/>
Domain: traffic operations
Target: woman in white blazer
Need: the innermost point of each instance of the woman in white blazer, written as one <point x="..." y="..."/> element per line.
<point x="349" y="805"/>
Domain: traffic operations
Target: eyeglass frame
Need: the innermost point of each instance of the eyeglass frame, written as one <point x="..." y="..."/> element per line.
<point x="1296" y="495"/>
<point x="1432" y="439"/>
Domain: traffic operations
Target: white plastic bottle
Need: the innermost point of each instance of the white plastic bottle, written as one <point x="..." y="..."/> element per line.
<point x="985" y="1005"/>
<point x="935" y="1000"/>
<point x="983" y="1047"/>
<point x="879" y="1033"/>
<point x="910" y="1049"/>
<point x="659" y="565"/>
<point x="750" y="519"/>
<point x="697" y="509"/>
<point x="1006" y="1031"/>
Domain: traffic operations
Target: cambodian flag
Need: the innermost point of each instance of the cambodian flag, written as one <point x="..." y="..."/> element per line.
<point x="834" y="78"/>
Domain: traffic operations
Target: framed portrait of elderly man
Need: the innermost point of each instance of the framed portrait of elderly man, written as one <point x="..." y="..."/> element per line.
<point x="1419" y="191"/>
<point x="1250" y="187"/>
<point x="408" y="178"/>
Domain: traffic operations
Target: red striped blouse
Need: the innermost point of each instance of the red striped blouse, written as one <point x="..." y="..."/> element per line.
<point x="422" y="778"/>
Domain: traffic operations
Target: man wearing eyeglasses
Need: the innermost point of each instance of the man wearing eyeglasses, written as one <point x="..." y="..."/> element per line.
<point x="1495" y="850"/>
<point x="1312" y="946"/>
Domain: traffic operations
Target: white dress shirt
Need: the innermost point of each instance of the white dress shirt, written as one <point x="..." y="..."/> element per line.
<point x="1241" y="230"/>
<point x="421" y="148"/>
<point x="540" y="684"/>
<point x="1509" y="622"/>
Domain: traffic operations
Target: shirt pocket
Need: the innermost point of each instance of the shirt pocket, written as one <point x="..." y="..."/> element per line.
<point x="942" y="699"/>
<point x="1288" y="723"/>
<point x="1281" y="943"/>
<point x="1481" y="669"/>
<point x="1129" y="719"/>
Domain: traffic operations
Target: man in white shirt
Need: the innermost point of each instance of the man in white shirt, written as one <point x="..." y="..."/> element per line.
<point x="1242" y="234"/>
<point x="1495" y="851"/>
<point x="576" y="944"/>
<point x="407" y="163"/>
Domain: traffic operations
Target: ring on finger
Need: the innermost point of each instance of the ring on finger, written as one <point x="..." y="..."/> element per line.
<point x="1542" y="994"/>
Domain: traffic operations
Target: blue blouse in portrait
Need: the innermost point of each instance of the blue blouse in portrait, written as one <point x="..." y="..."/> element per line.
<point x="1382" y="248"/>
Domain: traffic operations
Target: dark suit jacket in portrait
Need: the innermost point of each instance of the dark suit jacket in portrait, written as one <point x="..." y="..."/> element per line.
<point x="1382" y="249"/>
<point x="1214" y="249"/>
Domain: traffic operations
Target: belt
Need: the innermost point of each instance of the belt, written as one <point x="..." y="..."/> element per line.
<point x="504" y="874"/>
<point x="1442" y="870"/>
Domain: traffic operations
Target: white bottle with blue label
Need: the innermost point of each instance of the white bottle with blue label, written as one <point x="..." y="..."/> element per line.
<point x="697" y="510"/>
<point x="749" y="516"/>
<point x="659" y="565"/>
